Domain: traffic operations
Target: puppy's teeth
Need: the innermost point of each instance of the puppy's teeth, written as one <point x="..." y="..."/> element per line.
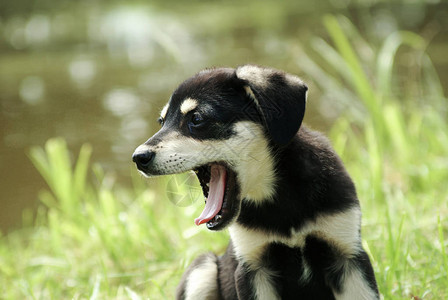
<point x="208" y="184"/>
<point x="218" y="217"/>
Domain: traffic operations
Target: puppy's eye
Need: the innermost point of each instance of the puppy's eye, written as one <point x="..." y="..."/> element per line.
<point x="196" y="123"/>
<point x="197" y="119"/>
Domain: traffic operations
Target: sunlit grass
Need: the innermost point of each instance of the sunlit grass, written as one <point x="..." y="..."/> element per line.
<point x="94" y="239"/>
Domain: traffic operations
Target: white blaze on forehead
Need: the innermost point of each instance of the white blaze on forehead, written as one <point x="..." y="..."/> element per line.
<point x="164" y="111"/>
<point x="188" y="105"/>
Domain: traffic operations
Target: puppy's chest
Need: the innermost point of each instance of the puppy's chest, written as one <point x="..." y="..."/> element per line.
<point x="340" y="230"/>
<point x="271" y="263"/>
<point x="256" y="248"/>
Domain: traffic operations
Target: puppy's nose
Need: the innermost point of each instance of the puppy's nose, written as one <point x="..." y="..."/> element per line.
<point x="143" y="159"/>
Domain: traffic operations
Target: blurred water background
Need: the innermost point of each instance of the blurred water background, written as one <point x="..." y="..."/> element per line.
<point x="100" y="71"/>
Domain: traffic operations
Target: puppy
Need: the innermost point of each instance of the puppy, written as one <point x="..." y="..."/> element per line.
<point x="283" y="193"/>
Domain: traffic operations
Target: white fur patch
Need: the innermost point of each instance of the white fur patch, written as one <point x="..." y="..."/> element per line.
<point x="164" y="111"/>
<point x="188" y="105"/>
<point x="293" y="80"/>
<point x="251" y="94"/>
<point x="254" y="74"/>
<point x="306" y="274"/>
<point x="202" y="282"/>
<point x="339" y="229"/>
<point x="246" y="152"/>
<point x="253" y="162"/>
<point x="258" y="77"/>
<point x="355" y="287"/>
<point x="248" y="244"/>
<point x="263" y="283"/>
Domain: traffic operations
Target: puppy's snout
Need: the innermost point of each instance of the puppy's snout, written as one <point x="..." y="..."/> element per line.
<point x="143" y="159"/>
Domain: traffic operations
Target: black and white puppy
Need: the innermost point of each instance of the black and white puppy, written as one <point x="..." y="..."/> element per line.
<point x="290" y="206"/>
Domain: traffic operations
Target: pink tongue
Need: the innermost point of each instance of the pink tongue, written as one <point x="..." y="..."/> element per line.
<point x="215" y="194"/>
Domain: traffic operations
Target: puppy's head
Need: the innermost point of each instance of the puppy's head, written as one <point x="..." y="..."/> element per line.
<point x="223" y="123"/>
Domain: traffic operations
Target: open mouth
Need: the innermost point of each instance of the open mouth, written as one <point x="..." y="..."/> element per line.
<point x="221" y="191"/>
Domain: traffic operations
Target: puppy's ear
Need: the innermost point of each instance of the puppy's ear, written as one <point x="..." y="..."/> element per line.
<point x="279" y="98"/>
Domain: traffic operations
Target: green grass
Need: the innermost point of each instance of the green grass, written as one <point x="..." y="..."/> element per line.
<point x="94" y="239"/>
